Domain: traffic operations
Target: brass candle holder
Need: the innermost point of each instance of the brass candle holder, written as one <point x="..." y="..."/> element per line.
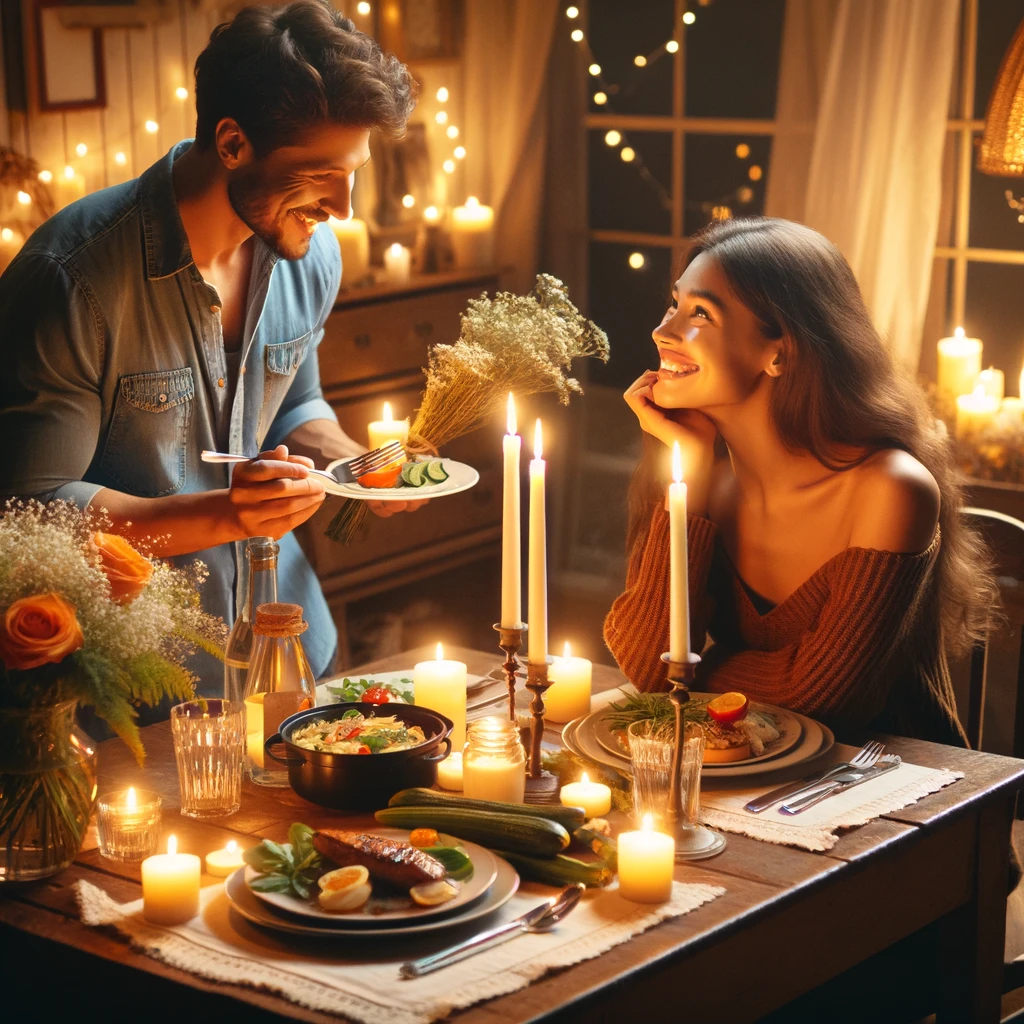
<point x="510" y="640"/>
<point x="541" y="786"/>
<point x="694" y="841"/>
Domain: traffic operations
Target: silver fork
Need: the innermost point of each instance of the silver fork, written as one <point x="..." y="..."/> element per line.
<point x="864" y="758"/>
<point x="344" y="473"/>
<point x="841" y="783"/>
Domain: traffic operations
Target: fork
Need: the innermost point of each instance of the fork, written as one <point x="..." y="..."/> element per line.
<point x="344" y="473"/>
<point x="841" y="783"/>
<point x="867" y="756"/>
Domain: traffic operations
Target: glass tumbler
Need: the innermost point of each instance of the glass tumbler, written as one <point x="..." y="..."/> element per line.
<point x="650" y="750"/>
<point x="209" y="746"/>
<point x="128" y="825"/>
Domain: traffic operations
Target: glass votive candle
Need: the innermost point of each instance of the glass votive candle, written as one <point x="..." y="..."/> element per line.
<point x="128" y="823"/>
<point x="209" y="747"/>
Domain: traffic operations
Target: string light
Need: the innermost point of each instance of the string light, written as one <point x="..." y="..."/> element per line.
<point x="7" y="235"/>
<point x="408" y="201"/>
<point x="640" y="60"/>
<point x="745" y="194"/>
<point x="453" y="132"/>
<point x="689" y="18"/>
<point x="743" y="151"/>
<point x="431" y="213"/>
<point x="576" y="36"/>
<point x="595" y="69"/>
<point x="441" y="117"/>
<point x="628" y="154"/>
<point x="181" y="92"/>
<point x="120" y="159"/>
<point x="449" y="166"/>
<point x="152" y="127"/>
<point x="636" y="260"/>
<point x="572" y="12"/>
<point x="613" y="138"/>
<point x="363" y="8"/>
<point x="24" y="198"/>
<point x="460" y="152"/>
<point x="81" y="149"/>
<point x="754" y="172"/>
<point x="442" y="95"/>
<point x="672" y="46"/>
<point x="720" y="212"/>
<point x="46" y="177"/>
<point x="600" y="98"/>
<point x="69" y="172"/>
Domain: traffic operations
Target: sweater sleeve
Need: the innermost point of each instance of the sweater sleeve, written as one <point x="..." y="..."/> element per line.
<point x="636" y="628"/>
<point x="843" y="668"/>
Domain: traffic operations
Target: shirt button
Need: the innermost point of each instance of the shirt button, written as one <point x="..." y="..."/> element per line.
<point x="162" y="398"/>
<point x="220" y="382"/>
<point x="215" y="309"/>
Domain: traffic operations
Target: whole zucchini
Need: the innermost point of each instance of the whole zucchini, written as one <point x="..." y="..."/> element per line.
<point x="532" y="835"/>
<point x="560" y="870"/>
<point x="569" y="818"/>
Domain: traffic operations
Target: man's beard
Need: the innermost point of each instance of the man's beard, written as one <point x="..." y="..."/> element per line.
<point x="252" y="202"/>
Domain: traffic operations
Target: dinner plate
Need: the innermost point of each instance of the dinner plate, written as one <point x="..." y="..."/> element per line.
<point x="460" y="478"/>
<point x="244" y="901"/>
<point x="485" y="870"/>
<point x="790" y="731"/>
<point x="324" y="696"/>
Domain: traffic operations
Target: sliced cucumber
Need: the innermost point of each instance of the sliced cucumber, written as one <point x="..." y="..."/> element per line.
<point x="407" y="468"/>
<point x="418" y="474"/>
<point x="436" y="473"/>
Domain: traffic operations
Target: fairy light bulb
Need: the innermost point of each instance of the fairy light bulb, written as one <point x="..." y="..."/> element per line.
<point x="81" y="149"/>
<point x="572" y="12"/>
<point x="636" y="260"/>
<point x="181" y="92"/>
<point x="742" y="151"/>
<point x="120" y="159"/>
<point x="452" y="132"/>
<point x="640" y="60"/>
<point x="442" y="95"/>
<point x="754" y="173"/>
<point x="600" y="98"/>
<point x="152" y="127"/>
<point x="460" y="152"/>
<point x="363" y="8"/>
<point x="24" y="198"/>
<point x="689" y="18"/>
<point x="576" y="35"/>
<point x="441" y="117"/>
<point x="6" y="235"/>
<point x="613" y="137"/>
<point x="672" y="46"/>
<point x="408" y="201"/>
<point x="448" y="166"/>
<point x="595" y="69"/>
<point x="628" y="154"/>
<point x="69" y="172"/>
<point x="46" y="177"/>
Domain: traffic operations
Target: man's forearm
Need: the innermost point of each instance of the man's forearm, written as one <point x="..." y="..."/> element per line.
<point x="323" y="441"/>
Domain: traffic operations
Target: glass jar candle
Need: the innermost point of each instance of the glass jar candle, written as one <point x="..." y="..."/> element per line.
<point x="494" y="762"/>
<point x="128" y="824"/>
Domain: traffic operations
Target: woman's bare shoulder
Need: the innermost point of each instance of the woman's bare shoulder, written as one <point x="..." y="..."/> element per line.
<point x="897" y="503"/>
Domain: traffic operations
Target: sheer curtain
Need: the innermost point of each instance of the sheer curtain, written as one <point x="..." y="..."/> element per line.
<point x="505" y="65"/>
<point x="868" y="176"/>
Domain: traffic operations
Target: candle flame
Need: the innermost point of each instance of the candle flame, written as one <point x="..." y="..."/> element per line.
<point x="585" y="779"/>
<point x="567" y="650"/>
<point x="677" y="463"/>
<point x="959" y="333"/>
<point x="172" y="845"/>
<point x="396" y="248"/>
<point x="538" y="441"/>
<point x="511" y="420"/>
<point x="232" y="846"/>
<point x="440" y="652"/>
<point x="387" y="412"/>
<point x="979" y="391"/>
<point x="472" y="201"/>
<point x="129" y="801"/>
<point x="648" y="823"/>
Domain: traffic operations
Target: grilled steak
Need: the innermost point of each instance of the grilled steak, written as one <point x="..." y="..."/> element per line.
<point x="387" y="859"/>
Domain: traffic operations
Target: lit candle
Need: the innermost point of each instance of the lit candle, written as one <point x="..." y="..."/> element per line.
<point x="646" y="862"/>
<point x="222" y="863"/>
<point x="254" y="729"/>
<point x="594" y="797"/>
<point x="679" y="596"/>
<point x="974" y="412"/>
<point x="959" y="364"/>
<point x="494" y="765"/>
<point x="992" y="382"/>
<point x="354" y="241"/>
<point x="128" y="825"/>
<point x="397" y="263"/>
<point x="1011" y="410"/>
<point x="432" y="216"/>
<point x="537" y="610"/>
<point x="568" y="697"/>
<point x="511" y="542"/>
<point x="449" y="772"/>
<point x="441" y="686"/>
<point x="170" y="886"/>
<point x="381" y="431"/>
<point x="472" y="230"/>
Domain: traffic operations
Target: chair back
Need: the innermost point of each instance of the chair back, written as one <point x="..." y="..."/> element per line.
<point x="1004" y="536"/>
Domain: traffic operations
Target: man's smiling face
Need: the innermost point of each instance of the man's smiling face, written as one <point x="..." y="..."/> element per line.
<point x="283" y="196"/>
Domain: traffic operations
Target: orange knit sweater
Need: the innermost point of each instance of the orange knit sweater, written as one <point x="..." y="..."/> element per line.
<point x="856" y="645"/>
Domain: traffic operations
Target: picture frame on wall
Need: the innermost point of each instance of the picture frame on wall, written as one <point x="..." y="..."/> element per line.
<point x="420" y="31"/>
<point x="69" y="61"/>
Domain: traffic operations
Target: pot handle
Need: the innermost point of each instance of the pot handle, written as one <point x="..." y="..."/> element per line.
<point x="440" y="757"/>
<point x="275" y="741"/>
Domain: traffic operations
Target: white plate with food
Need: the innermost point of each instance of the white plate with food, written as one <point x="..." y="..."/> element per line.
<point x="399" y="685"/>
<point x="432" y="478"/>
<point x="373" y="878"/>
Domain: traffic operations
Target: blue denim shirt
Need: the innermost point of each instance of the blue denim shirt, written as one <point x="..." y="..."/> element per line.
<point x="114" y="373"/>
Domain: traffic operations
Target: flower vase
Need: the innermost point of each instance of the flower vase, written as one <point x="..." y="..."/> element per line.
<point x="48" y="770"/>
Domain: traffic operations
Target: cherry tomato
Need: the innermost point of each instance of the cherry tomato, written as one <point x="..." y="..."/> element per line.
<point x="363" y="749"/>
<point x="376" y="695"/>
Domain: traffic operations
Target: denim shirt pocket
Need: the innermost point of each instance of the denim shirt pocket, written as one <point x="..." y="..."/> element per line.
<point x="282" y="361"/>
<point x="146" y="446"/>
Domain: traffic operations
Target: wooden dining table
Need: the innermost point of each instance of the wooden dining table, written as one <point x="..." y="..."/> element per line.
<point x="789" y="920"/>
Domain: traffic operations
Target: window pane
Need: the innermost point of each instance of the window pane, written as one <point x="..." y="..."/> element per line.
<point x="628" y="304"/>
<point x="636" y="195"/>
<point x="716" y="175"/>
<point x="997" y="21"/>
<point x="732" y="58"/>
<point x="618" y="32"/>
<point x="936" y="317"/>
<point x="994" y="223"/>
<point x="996" y="315"/>
<point x="946" y="234"/>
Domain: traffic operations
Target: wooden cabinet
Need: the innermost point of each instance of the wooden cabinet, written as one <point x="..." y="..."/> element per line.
<point x="374" y="348"/>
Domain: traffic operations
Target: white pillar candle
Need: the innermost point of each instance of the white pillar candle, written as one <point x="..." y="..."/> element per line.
<point x="679" y="594"/>
<point x="221" y="863"/>
<point x="354" y="241"/>
<point x="170" y="886"/>
<point x="974" y="412"/>
<point x="387" y="429"/>
<point x="646" y="862"/>
<point x="992" y="382"/>
<point x="537" y="610"/>
<point x="959" y="364"/>
<point x="449" y="772"/>
<point x="1011" y="410"/>
<point x="568" y="697"/>
<point x="472" y="232"/>
<point x="511" y="541"/>
<point x="397" y="263"/>
<point x="441" y="686"/>
<point x="594" y="797"/>
<point x="254" y="729"/>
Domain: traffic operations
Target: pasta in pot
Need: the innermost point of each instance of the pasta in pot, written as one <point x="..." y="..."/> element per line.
<point x="355" y="734"/>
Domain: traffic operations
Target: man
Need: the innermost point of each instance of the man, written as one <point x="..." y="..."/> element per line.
<point x="182" y="311"/>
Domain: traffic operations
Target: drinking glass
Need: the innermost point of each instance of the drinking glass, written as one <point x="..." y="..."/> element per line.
<point x="209" y="746"/>
<point x="650" y="750"/>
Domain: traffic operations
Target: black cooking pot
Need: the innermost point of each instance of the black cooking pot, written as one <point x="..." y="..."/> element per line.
<point x="356" y="782"/>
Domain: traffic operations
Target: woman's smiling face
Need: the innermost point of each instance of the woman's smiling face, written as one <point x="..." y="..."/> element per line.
<point x="712" y="349"/>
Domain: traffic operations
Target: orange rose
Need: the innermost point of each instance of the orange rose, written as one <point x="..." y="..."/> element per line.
<point x="126" y="570"/>
<point x="39" y="630"/>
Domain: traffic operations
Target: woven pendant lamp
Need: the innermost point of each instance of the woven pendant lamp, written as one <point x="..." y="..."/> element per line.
<point x="1002" y="145"/>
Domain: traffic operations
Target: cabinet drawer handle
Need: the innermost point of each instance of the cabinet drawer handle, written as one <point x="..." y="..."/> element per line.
<point x="424" y="328"/>
<point x="362" y="341"/>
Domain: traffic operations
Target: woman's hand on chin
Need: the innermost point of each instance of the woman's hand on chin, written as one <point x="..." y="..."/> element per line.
<point x="692" y="429"/>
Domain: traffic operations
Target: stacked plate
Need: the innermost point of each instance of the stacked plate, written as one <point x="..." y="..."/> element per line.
<point x="800" y="739"/>
<point x="493" y="883"/>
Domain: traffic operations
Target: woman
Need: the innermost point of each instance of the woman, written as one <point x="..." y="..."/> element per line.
<point x="828" y="559"/>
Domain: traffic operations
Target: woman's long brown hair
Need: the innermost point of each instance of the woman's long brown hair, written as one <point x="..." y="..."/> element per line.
<point x="841" y="390"/>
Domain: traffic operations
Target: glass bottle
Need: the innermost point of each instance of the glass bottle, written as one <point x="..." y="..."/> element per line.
<point x="494" y="762"/>
<point x="280" y="683"/>
<point x="261" y="588"/>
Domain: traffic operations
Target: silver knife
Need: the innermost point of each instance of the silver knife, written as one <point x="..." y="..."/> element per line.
<point x="762" y="803"/>
<point x="841" y="783"/>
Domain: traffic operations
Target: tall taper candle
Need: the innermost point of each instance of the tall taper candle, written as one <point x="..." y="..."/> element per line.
<point x="537" y="608"/>
<point x="679" y="596"/>
<point x="511" y="569"/>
